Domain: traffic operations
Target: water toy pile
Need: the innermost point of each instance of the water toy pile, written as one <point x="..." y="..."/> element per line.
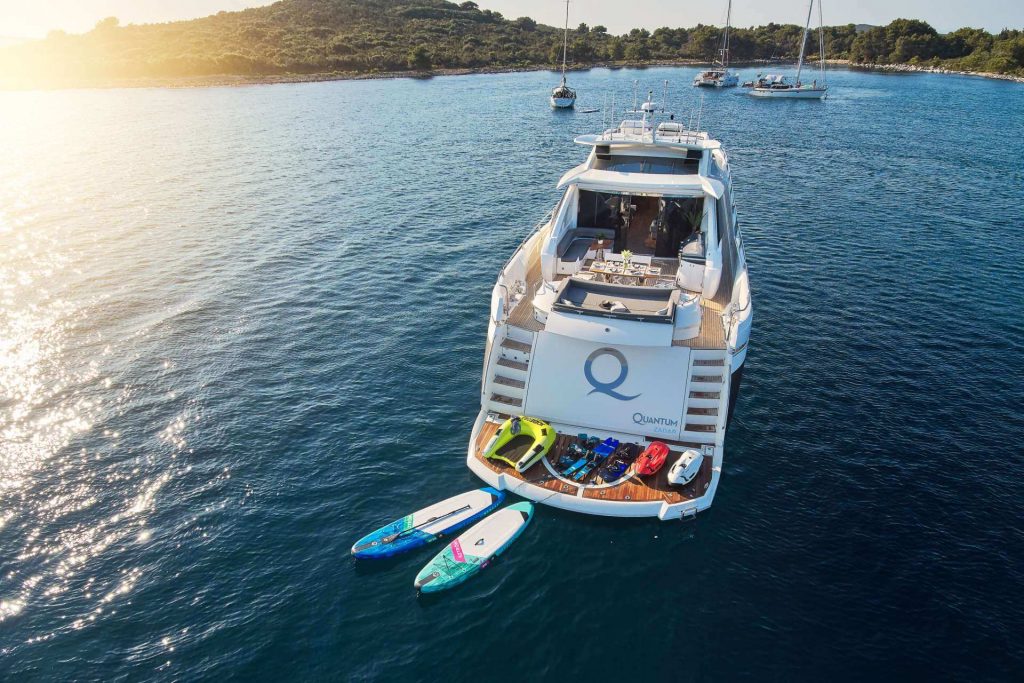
<point x="606" y="461"/>
<point x="521" y="441"/>
<point x="464" y="557"/>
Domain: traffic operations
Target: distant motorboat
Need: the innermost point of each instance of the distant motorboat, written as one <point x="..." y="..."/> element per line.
<point x="781" y="88"/>
<point x="716" y="78"/>
<point x="720" y="75"/>
<point x="564" y="97"/>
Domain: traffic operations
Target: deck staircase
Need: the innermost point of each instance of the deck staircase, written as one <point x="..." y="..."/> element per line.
<point x="706" y="396"/>
<point x="506" y="387"/>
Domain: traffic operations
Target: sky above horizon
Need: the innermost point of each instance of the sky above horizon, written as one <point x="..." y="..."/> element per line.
<point x="33" y="19"/>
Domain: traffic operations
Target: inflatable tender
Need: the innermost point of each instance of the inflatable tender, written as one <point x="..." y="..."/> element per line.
<point x="521" y="442"/>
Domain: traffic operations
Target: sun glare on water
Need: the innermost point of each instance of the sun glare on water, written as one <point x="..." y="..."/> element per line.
<point x="75" y="492"/>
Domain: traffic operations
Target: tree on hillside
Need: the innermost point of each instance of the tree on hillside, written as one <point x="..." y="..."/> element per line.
<point x="419" y="58"/>
<point x="616" y="50"/>
<point x="637" y="51"/>
<point x="106" y="25"/>
<point x="525" y="23"/>
<point x="909" y="27"/>
<point x="964" y="41"/>
<point x="582" y="50"/>
<point x="705" y="41"/>
<point x="871" y="46"/>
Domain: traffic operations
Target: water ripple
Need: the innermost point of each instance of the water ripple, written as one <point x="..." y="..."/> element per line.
<point x="241" y="326"/>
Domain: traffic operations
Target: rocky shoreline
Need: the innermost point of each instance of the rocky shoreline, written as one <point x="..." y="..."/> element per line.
<point x="225" y="80"/>
<point x="918" y="68"/>
<point x="228" y="80"/>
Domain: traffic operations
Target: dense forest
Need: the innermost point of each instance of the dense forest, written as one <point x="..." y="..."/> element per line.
<point x="373" y="36"/>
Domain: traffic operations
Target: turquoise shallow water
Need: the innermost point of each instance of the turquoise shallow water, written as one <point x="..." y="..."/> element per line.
<point x="240" y="327"/>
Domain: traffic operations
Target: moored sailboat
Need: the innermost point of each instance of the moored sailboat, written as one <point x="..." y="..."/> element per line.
<point x="564" y="97"/>
<point x="780" y="87"/>
<point x="719" y="75"/>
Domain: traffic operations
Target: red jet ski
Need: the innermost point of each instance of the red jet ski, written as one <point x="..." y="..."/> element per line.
<point x="651" y="460"/>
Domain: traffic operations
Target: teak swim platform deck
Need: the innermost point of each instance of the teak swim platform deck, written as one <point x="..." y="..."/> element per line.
<point x="630" y="488"/>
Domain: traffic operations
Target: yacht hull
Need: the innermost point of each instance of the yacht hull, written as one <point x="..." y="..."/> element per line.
<point x="563" y="102"/>
<point x="734" y="392"/>
<point x="790" y="94"/>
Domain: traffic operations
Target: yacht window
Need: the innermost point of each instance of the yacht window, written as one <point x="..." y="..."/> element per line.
<point x="598" y="210"/>
<point x="656" y="226"/>
<point x="679" y="224"/>
<point x="657" y="165"/>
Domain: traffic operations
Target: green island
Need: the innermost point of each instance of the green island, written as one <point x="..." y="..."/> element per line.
<point x="312" y="39"/>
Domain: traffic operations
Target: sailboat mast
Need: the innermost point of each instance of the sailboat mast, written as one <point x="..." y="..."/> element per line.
<point x="803" y="42"/>
<point x="565" y="40"/>
<point x="725" y="40"/>
<point x="821" y="42"/>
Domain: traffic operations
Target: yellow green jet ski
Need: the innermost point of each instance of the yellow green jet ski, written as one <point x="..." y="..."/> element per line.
<point x="521" y="441"/>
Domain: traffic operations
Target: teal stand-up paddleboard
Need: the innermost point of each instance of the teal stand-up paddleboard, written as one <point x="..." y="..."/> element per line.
<point x="475" y="549"/>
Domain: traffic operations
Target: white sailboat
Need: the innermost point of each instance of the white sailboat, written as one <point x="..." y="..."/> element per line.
<point x="719" y="75"/>
<point x="564" y="97"/>
<point x="780" y="87"/>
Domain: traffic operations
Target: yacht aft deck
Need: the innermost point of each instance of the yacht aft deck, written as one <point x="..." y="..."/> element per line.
<point x="631" y="490"/>
<point x="711" y="335"/>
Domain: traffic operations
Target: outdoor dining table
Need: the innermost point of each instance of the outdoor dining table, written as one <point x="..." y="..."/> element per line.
<point x="610" y="270"/>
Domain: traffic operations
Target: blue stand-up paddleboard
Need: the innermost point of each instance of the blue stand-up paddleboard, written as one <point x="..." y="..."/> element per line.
<point x="475" y="549"/>
<point x="427" y="525"/>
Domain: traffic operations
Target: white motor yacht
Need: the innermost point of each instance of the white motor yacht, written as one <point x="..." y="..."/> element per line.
<point x="562" y="96"/>
<point x="620" y="324"/>
<point x="781" y="87"/>
<point x="716" y="78"/>
<point x="720" y="75"/>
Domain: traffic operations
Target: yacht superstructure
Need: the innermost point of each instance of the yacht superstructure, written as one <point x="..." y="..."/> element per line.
<point x="624" y="316"/>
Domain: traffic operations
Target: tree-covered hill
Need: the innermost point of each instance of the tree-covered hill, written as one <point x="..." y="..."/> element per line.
<point x="373" y="36"/>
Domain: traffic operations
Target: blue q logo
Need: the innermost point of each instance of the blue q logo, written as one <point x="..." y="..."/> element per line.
<point x="607" y="388"/>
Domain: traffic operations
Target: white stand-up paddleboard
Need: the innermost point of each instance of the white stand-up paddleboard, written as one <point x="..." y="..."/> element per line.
<point x="475" y="549"/>
<point x="427" y="525"/>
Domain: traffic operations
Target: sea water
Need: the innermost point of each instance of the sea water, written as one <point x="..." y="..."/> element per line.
<point x="241" y="327"/>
